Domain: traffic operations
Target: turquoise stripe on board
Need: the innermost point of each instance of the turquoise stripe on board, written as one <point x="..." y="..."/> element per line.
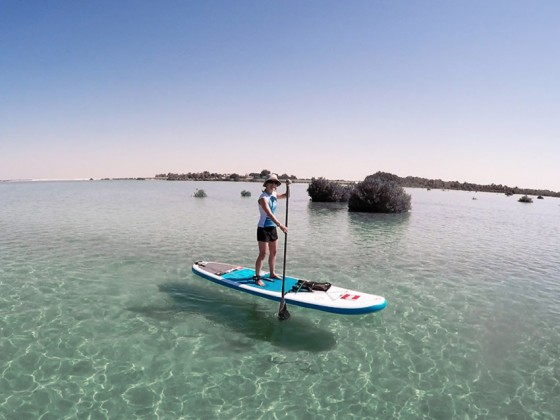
<point x="245" y="275"/>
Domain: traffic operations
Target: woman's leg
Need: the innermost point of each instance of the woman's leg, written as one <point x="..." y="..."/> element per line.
<point x="273" y="248"/>
<point x="258" y="264"/>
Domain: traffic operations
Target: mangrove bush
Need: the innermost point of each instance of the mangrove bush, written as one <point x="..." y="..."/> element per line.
<point x="379" y="193"/>
<point x="322" y="190"/>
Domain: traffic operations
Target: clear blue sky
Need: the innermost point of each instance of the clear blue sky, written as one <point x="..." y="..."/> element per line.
<point x="456" y="90"/>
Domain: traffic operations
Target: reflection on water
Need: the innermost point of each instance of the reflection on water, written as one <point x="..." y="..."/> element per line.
<point x="247" y="318"/>
<point x="362" y="227"/>
<point x="319" y="209"/>
<point x="366" y="226"/>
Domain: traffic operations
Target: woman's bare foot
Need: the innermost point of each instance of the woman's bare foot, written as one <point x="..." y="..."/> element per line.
<point x="258" y="281"/>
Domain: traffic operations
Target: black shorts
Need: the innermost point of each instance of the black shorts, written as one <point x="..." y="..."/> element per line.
<point x="267" y="234"/>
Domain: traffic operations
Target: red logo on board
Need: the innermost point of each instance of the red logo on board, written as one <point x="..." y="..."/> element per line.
<point x="348" y="296"/>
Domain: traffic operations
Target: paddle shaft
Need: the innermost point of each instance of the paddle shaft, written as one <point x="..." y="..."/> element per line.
<point x="285" y="240"/>
<point x="283" y="313"/>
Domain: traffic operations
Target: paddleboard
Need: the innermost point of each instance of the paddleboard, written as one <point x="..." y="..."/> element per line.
<point x="336" y="299"/>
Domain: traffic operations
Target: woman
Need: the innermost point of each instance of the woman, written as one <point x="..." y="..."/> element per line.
<point x="267" y="235"/>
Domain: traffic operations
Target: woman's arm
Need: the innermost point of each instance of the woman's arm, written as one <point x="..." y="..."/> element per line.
<point x="287" y="193"/>
<point x="264" y="204"/>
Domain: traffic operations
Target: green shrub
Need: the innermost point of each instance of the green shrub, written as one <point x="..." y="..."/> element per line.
<point x="200" y="193"/>
<point x="525" y="199"/>
<point x="379" y="193"/>
<point x="245" y="193"/>
<point x="322" y="190"/>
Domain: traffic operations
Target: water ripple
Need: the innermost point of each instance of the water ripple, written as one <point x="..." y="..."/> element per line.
<point x="101" y="317"/>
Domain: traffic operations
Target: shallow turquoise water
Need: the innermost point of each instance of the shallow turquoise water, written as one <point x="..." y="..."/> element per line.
<point x="101" y="317"/>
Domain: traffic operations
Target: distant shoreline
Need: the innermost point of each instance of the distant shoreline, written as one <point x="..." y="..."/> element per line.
<point x="408" y="182"/>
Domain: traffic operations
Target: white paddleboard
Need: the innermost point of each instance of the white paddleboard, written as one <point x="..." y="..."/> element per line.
<point x="336" y="299"/>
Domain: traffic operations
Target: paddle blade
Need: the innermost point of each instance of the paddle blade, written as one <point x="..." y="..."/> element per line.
<point x="283" y="313"/>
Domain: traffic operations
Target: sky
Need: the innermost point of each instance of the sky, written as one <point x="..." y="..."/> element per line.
<point x="458" y="90"/>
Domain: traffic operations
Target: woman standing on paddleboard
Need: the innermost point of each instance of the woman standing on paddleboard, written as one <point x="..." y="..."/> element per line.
<point x="267" y="235"/>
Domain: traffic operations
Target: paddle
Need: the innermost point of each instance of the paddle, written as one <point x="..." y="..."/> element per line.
<point x="283" y="313"/>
